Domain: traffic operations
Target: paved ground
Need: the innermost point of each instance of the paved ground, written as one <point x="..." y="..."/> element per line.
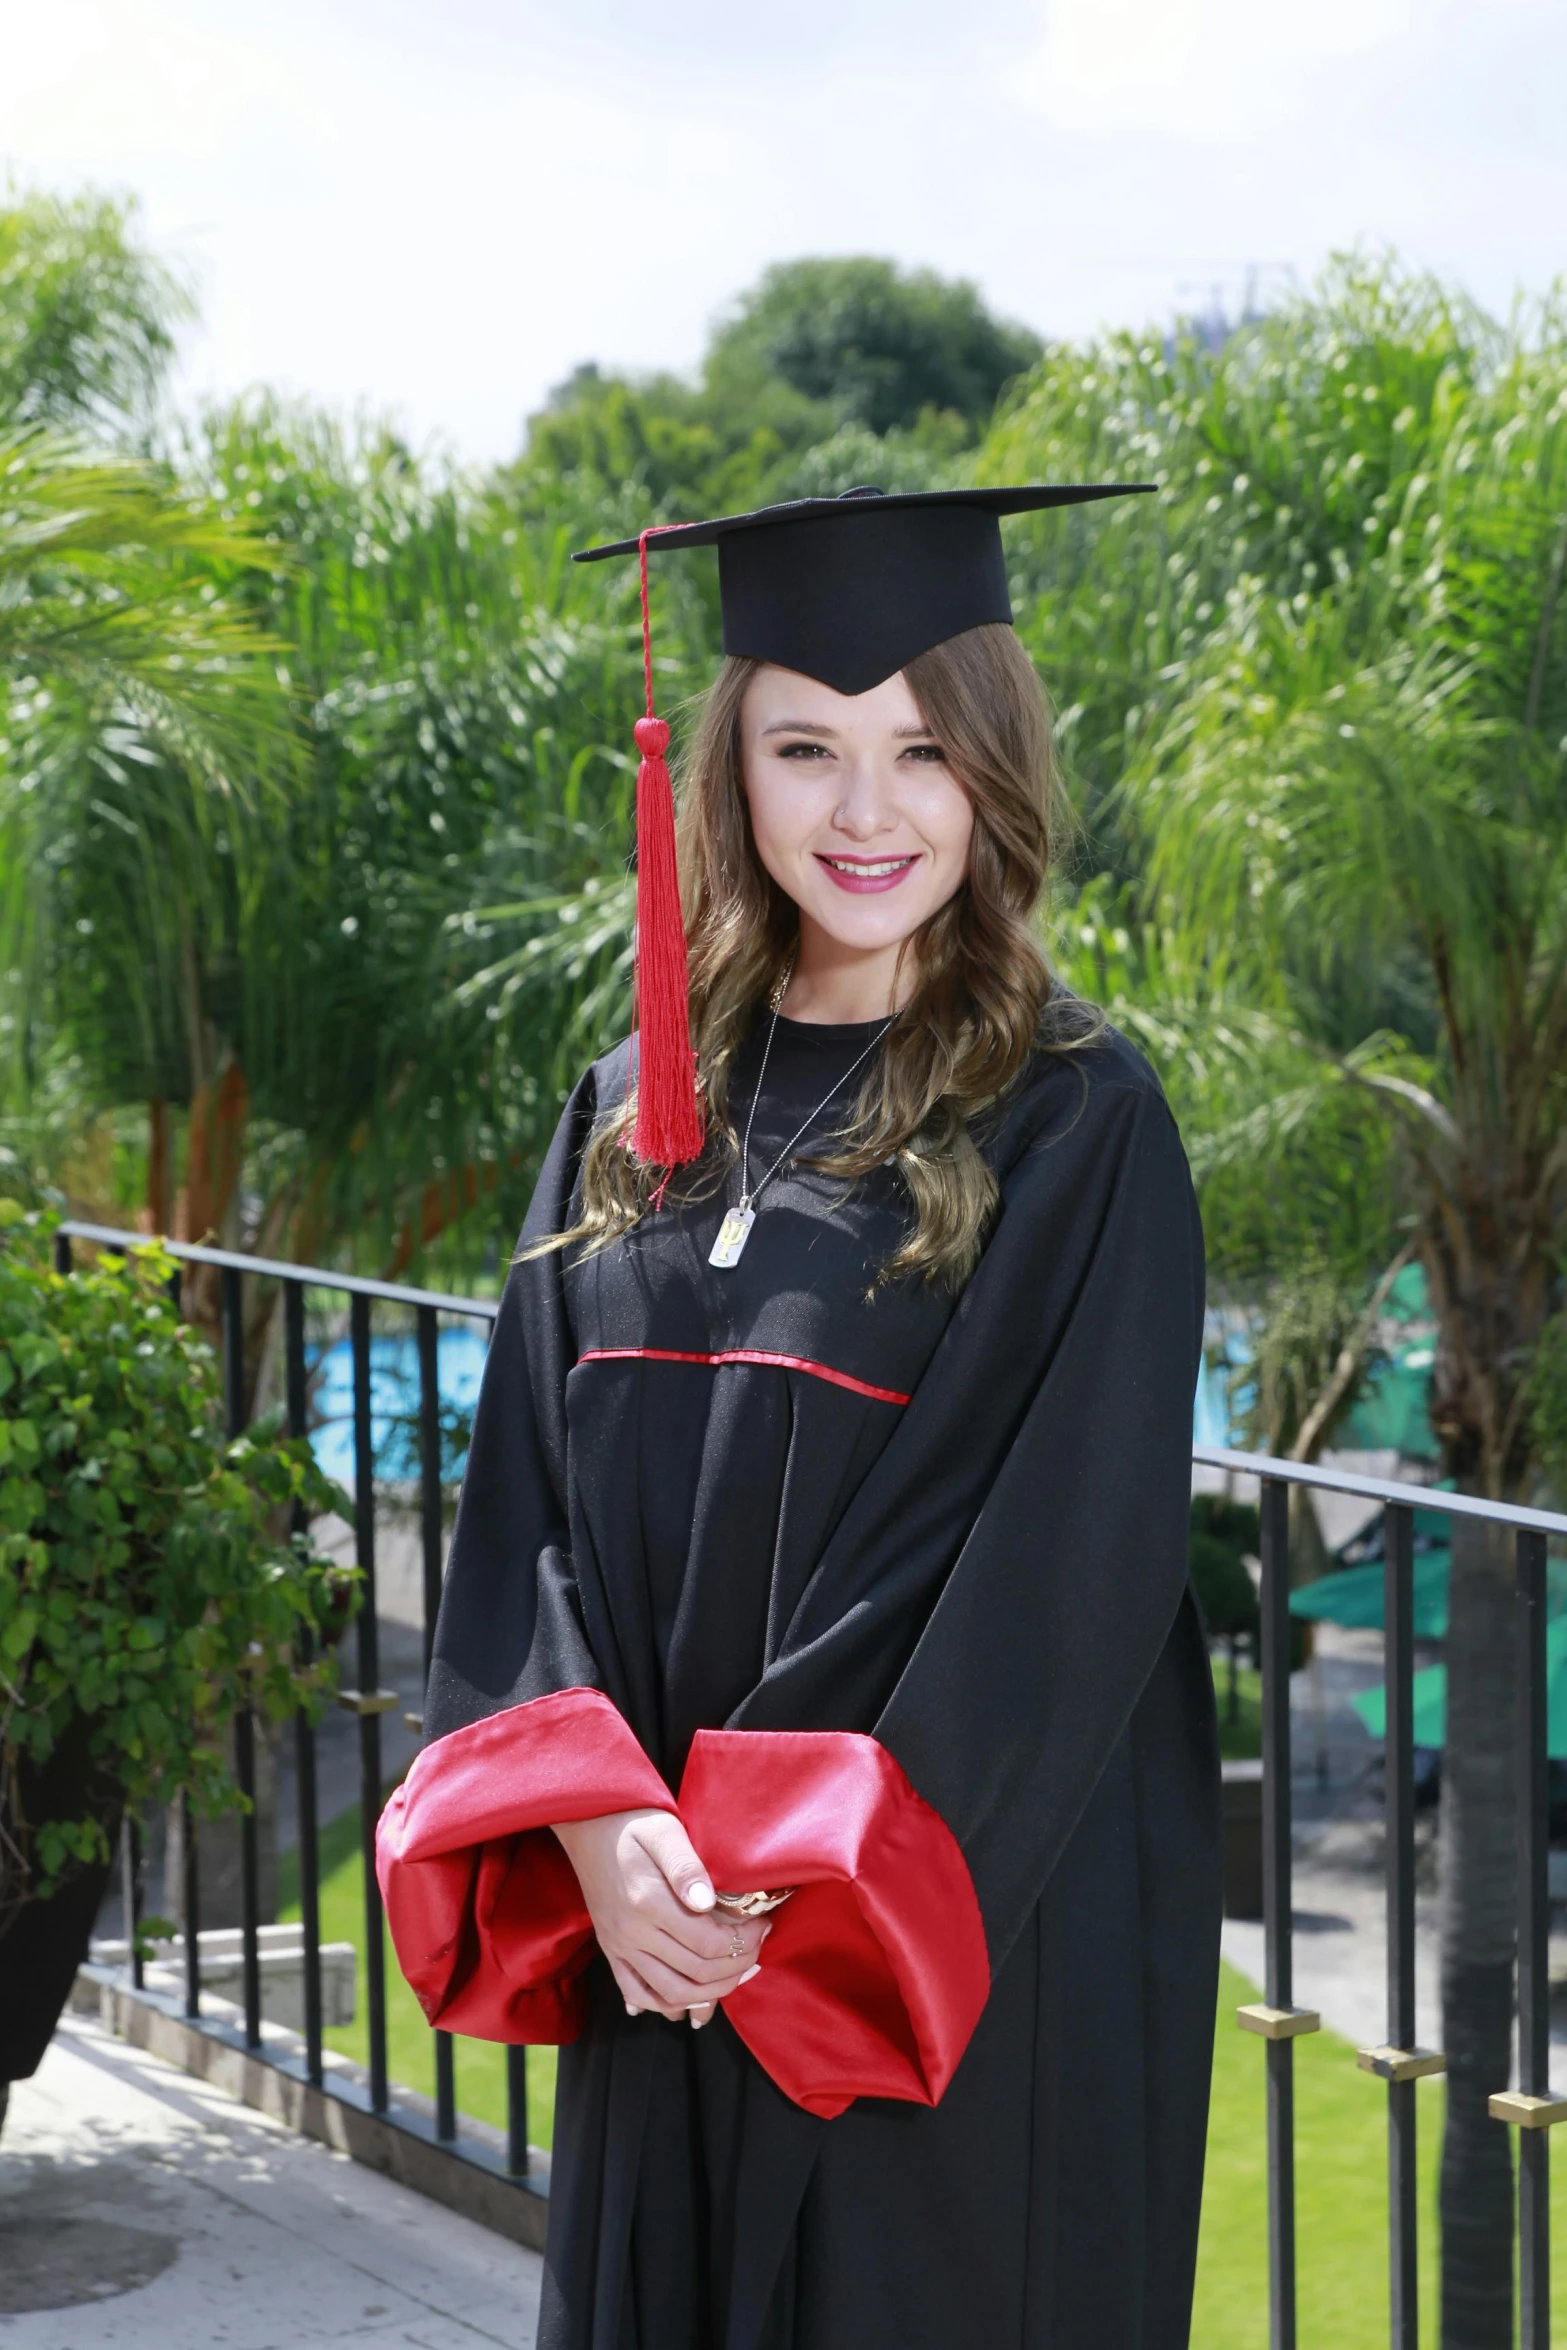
<point x="142" y="2210"/>
<point x="1339" y="1905"/>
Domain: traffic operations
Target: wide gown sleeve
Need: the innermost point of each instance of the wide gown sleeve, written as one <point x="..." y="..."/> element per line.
<point x="993" y="1603"/>
<point x="484" y="1908"/>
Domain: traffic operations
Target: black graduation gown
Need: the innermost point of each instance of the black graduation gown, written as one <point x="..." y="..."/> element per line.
<point x="770" y="1499"/>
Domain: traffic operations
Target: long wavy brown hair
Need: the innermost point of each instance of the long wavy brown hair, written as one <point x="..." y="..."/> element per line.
<point x="982" y="985"/>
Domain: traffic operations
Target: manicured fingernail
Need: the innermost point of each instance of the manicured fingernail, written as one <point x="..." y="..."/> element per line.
<point x="697" y="2021"/>
<point x="699" y="1896"/>
<point x="749" y="1972"/>
<point x="630" y="2010"/>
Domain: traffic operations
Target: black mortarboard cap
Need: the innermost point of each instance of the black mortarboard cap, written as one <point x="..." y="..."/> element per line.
<point x="848" y="590"/>
<point x="851" y="589"/>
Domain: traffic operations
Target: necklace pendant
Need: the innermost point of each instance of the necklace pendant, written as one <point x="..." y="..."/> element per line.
<point x="733" y="1233"/>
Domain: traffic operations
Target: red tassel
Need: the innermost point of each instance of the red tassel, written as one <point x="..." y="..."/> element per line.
<point x="669" y="1111"/>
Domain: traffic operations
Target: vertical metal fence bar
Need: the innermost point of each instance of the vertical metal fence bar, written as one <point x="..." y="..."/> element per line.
<point x="234" y="1414"/>
<point x="297" y="1396"/>
<point x="430" y="1537"/>
<point x="130" y="1893"/>
<point x="517" y="2112"/>
<point x="191" y="1904"/>
<point x="1399" y="1783"/>
<point x="369" y="1698"/>
<point x="1276" y="1793"/>
<point x="430" y="1471"/>
<point x="233" y="1350"/>
<point x="1534" y="2020"/>
<point x="249" y="1873"/>
<point x="62" y="1252"/>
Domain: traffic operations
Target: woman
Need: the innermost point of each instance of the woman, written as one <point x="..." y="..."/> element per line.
<point x="823" y="1737"/>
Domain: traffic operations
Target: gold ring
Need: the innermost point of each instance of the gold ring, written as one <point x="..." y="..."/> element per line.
<point x="751" y="1905"/>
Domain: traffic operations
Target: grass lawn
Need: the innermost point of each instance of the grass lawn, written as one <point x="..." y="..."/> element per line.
<point x="1340" y="2151"/>
<point x="410" y="2047"/>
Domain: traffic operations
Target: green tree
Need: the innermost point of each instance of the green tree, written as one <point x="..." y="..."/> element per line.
<point x="873" y="344"/>
<point x="826" y="374"/>
<point x="1340" y="728"/>
<point x="126" y="677"/>
<point x="88" y="314"/>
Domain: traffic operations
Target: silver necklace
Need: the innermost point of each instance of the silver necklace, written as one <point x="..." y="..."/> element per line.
<point x="735" y="1230"/>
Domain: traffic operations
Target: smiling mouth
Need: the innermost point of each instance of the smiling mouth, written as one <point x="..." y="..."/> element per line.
<point x="861" y="873"/>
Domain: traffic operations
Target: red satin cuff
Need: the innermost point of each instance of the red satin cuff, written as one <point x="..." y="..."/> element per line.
<point x="486" y="1916"/>
<point x="874" y="1974"/>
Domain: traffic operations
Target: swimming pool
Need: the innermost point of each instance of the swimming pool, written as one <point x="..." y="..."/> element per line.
<point x="394" y="1401"/>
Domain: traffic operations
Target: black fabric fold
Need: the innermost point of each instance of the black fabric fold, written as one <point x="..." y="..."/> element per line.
<point x="991" y="1579"/>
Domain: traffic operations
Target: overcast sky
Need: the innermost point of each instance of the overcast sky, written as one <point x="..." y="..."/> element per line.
<point x="436" y="208"/>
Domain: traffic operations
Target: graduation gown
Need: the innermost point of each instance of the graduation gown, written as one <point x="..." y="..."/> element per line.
<point x="885" y="1589"/>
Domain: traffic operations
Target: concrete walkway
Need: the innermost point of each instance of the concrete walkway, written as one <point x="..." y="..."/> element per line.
<point x="144" y="2210"/>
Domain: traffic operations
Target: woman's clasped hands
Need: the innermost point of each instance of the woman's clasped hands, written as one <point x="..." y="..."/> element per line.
<point x="653" y="1909"/>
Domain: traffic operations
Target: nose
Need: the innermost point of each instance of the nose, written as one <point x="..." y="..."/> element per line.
<point x="864" y="808"/>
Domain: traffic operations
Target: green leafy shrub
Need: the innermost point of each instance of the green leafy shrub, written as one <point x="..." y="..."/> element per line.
<point x="149" y="1586"/>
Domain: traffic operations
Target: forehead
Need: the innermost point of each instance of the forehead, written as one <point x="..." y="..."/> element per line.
<point x="778" y="697"/>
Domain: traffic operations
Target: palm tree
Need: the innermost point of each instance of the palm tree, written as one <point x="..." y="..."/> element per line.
<point x="1342" y="794"/>
<point x="127" y="677"/>
<point x="88" y="316"/>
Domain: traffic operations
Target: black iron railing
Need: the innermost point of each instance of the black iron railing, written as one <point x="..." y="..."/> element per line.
<point x="367" y="1700"/>
<point x="1399" y="2061"/>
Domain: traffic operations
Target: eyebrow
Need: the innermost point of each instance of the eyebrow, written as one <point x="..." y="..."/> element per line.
<point x="828" y="733"/>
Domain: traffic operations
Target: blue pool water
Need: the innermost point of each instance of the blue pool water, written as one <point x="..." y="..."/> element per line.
<point x="394" y="1402"/>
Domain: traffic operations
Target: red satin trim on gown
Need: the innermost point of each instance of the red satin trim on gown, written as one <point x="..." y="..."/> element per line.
<point x="874" y="1975"/>
<point x="744" y="1354"/>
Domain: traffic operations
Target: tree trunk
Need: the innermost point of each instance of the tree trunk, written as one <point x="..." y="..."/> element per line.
<point x="160" y="1169"/>
<point x="1478" y="1930"/>
<point x="215" y="1160"/>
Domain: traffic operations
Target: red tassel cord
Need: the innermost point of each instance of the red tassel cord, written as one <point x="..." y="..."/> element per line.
<point x="669" y="1111"/>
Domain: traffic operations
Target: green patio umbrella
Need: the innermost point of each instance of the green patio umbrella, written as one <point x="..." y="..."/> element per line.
<point x="1353" y="1595"/>
<point x="1430" y="1689"/>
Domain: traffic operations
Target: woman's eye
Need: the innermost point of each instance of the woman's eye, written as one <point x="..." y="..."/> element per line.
<point x="802" y="751"/>
<point x="926" y="754"/>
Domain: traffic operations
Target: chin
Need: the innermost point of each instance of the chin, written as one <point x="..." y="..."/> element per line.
<point x="870" y="938"/>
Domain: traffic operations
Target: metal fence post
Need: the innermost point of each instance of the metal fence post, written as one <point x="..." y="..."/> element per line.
<point x="130" y="1895"/>
<point x="1532" y="2105"/>
<point x="235" y="1415"/>
<point x="1399" y="2061"/>
<point x="1276" y="2019"/>
<point x="429" y="1340"/>
<point x="369" y="1701"/>
<point x="190" y="1903"/>
<point x="295" y="1389"/>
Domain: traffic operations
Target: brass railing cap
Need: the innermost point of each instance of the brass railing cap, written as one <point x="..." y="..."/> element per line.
<point x="1526" y="2111"/>
<point x="1400" y="2064"/>
<point x="1278" y="2023"/>
<point x="369" y="1701"/>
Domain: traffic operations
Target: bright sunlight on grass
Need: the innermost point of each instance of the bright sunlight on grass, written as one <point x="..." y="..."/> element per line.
<point x="410" y="2048"/>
